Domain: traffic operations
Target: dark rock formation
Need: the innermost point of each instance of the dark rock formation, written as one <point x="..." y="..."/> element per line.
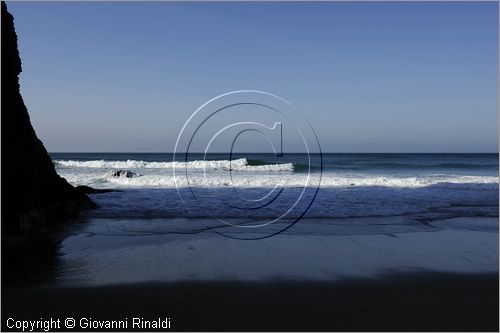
<point x="33" y="195"/>
<point x="124" y="173"/>
<point x="90" y="190"/>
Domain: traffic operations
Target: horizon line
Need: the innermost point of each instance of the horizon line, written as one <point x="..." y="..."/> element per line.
<point x="220" y="153"/>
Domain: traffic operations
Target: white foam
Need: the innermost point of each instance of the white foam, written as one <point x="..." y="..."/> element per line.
<point x="239" y="164"/>
<point x="250" y="179"/>
<point x="98" y="173"/>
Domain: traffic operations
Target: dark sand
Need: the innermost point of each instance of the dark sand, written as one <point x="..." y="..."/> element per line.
<point x="416" y="302"/>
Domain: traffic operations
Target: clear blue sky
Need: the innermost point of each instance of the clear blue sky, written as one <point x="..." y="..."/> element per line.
<point x="370" y="77"/>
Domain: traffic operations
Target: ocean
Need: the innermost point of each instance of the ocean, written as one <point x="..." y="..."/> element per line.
<point x="350" y="185"/>
<point x="310" y="217"/>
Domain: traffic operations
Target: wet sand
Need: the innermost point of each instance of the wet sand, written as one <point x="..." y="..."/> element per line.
<point x="332" y="275"/>
<point x="394" y="302"/>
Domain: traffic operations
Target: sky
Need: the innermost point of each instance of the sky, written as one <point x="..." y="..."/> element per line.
<point x="369" y="77"/>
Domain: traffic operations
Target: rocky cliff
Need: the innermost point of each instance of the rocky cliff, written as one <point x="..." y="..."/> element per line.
<point x="33" y="195"/>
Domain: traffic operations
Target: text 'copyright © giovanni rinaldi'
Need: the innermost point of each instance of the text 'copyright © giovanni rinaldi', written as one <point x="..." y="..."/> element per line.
<point x="83" y="323"/>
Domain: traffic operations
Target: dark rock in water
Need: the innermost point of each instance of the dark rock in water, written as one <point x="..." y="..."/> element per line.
<point x="90" y="190"/>
<point x="124" y="173"/>
<point x="34" y="196"/>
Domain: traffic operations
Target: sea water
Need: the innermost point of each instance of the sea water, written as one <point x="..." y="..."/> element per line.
<point x="351" y="185"/>
<point x="371" y="212"/>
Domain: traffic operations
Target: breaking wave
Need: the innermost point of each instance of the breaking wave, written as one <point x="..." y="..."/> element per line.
<point x="240" y="164"/>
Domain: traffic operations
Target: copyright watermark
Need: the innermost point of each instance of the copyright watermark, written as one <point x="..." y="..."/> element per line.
<point x="84" y="323"/>
<point x="250" y="160"/>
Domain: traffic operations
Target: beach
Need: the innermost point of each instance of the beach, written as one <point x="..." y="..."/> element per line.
<point x="406" y="244"/>
<point x="408" y="302"/>
<point x="314" y="250"/>
<point x="441" y="278"/>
